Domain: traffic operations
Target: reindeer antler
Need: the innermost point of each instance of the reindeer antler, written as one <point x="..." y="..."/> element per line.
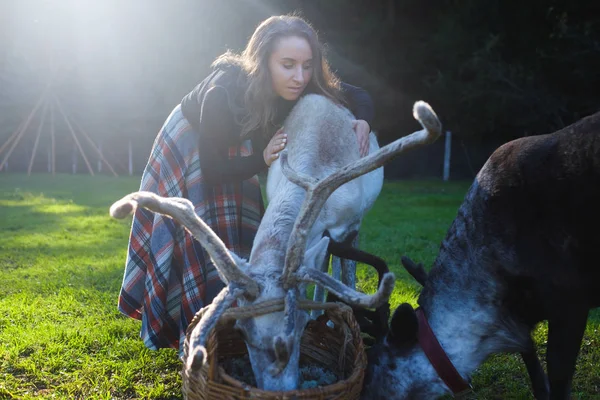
<point x="238" y="283"/>
<point x="416" y="270"/>
<point x="199" y="334"/>
<point x="183" y="212"/>
<point x="319" y="191"/>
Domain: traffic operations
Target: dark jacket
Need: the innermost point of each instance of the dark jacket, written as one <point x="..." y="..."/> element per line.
<point x="215" y="109"/>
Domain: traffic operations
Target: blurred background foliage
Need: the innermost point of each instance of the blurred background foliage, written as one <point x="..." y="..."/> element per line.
<point x="493" y="70"/>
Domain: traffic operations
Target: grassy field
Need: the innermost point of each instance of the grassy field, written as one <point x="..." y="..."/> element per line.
<point x="61" y="266"/>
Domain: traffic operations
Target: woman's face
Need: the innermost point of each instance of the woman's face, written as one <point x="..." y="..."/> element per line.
<point x="291" y="66"/>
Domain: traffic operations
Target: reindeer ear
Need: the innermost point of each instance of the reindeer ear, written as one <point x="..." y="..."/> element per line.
<point x="314" y="257"/>
<point x="404" y="325"/>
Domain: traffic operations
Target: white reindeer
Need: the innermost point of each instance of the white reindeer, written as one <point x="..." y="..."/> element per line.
<point x="318" y="146"/>
<point x="312" y="189"/>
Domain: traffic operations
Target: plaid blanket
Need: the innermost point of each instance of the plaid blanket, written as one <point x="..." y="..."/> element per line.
<point x="168" y="275"/>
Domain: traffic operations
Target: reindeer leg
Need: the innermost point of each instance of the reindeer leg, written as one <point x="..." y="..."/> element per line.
<point x="539" y="380"/>
<point x="343" y="267"/>
<point x="338" y="270"/>
<point x="373" y="323"/>
<point x="346" y="251"/>
<point x="565" y="332"/>
<point x="319" y="294"/>
<point x="336" y="267"/>
<point x="349" y="267"/>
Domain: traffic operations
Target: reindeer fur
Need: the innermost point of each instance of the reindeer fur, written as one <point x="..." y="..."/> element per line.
<point x="519" y="252"/>
<point x="323" y="186"/>
<point x="321" y="140"/>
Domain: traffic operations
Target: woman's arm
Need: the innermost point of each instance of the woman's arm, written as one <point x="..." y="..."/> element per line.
<point x="218" y="132"/>
<point x="361" y="105"/>
<point x="360" y="102"/>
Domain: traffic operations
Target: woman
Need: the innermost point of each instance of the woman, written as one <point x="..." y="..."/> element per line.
<point x="210" y="150"/>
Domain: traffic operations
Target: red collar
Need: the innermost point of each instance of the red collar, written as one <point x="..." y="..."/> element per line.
<point x="438" y="358"/>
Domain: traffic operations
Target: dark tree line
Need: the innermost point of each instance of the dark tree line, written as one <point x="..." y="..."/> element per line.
<point x="493" y="70"/>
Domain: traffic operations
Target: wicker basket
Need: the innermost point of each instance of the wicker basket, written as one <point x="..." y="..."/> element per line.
<point x="339" y="349"/>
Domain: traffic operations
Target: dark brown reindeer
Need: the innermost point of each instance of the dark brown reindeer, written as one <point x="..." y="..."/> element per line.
<point x="521" y="250"/>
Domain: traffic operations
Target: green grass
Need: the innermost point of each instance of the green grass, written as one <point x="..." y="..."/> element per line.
<point x="61" y="266"/>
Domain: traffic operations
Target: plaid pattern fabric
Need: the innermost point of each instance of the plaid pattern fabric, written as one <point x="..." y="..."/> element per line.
<point x="168" y="275"/>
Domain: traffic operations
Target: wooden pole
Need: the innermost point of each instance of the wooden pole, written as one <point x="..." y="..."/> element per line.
<point x="74" y="159"/>
<point x="10" y="139"/>
<point x="447" y="155"/>
<point x="37" y="137"/>
<point x="100" y="154"/>
<point x="23" y="128"/>
<point x="62" y="111"/>
<point x="52" y="144"/>
<point x="130" y="159"/>
<point x="99" y="151"/>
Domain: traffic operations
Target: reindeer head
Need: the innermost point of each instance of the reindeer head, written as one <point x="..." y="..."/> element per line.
<point x="397" y="364"/>
<point x="273" y="339"/>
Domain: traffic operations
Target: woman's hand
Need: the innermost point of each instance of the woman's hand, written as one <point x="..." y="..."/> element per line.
<point x="362" y="129"/>
<point x="276" y="144"/>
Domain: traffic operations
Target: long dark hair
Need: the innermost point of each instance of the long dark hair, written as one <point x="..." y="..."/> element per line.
<point x="254" y="60"/>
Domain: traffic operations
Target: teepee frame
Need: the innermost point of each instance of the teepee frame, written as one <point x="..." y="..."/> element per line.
<point x="49" y="102"/>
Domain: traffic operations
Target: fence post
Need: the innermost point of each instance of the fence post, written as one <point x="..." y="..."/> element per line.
<point x="74" y="159"/>
<point x="130" y="158"/>
<point x="447" y="155"/>
<point x="100" y="156"/>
